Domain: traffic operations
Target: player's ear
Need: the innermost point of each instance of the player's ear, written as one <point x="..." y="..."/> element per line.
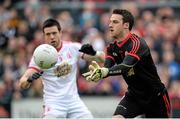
<point x="60" y="33"/>
<point x="126" y="25"/>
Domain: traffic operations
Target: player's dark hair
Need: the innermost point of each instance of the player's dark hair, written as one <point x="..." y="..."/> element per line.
<point x="51" y="22"/>
<point x="127" y="16"/>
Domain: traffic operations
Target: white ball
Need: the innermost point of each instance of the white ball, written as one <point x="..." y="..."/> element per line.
<point x="45" y="56"/>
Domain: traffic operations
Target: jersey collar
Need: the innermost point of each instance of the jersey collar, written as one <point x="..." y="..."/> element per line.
<point x="120" y="44"/>
<point x="58" y="49"/>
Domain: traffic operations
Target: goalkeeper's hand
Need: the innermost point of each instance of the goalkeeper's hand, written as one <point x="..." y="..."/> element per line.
<point x="33" y="77"/>
<point x="88" y="49"/>
<point x="96" y="73"/>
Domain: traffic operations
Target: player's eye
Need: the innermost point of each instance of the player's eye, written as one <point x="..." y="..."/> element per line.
<point x="47" y="34"/>
<point x="54" y="33"/>
<point x="115" y="21"/>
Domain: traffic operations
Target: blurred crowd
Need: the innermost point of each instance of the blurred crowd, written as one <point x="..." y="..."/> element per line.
<point x="20" y="34"/>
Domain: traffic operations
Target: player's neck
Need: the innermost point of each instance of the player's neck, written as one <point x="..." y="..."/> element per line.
<point x="123" y="36"/>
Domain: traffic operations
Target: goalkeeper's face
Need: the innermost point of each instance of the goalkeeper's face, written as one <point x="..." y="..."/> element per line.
<point x="116" y="26"/>
<point x="53" y="36"/>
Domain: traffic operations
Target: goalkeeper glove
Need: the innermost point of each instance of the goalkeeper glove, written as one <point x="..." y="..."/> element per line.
<point x="34" y="76"/>
<point x="96" y="73"/>
<point x="88" y="49"/>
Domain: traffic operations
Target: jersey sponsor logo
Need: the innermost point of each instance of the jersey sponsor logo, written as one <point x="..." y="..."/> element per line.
<point x="62" y="70"/>
<point x="116" y="71"/>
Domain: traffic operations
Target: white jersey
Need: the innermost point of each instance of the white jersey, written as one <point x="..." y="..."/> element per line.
<point x="64" y="87"/>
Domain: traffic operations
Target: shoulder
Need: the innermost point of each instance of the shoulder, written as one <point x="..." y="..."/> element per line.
<point x="137" y="41"/>
<point x="138" y="46"/>
<point x="73" y="46"/>
<point x="135" y="38"/>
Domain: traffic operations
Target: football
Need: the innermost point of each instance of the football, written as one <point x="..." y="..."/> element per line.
<point x="45" y="56"/>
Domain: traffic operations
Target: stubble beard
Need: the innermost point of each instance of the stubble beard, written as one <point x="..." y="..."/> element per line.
<point x="114" y="37"/>
<point x="54" y="44"/>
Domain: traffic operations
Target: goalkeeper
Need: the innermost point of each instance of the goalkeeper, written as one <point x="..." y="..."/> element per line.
<point x="130" y="57"/>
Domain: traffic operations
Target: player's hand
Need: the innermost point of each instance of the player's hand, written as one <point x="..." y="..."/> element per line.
<point x="96" y="73"/>
<point x="33" y="77"/>
<point x="87" y="75"/>
<point x="63" y="69"/>
<point x="88" y="49"/>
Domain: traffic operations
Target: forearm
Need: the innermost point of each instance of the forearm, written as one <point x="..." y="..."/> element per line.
<point x="124" y="67"/>
<point x="118" y="69"/>
<point x="99" y="57"/>
<point x="26" y="80"/>
<point x="25" y="85"/>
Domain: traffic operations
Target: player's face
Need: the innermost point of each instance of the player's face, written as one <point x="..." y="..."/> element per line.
<point x="116" y="25"/>
<point x="52" y="36"/>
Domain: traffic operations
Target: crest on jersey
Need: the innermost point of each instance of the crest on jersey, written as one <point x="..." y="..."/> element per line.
<point x="131" y="72"/>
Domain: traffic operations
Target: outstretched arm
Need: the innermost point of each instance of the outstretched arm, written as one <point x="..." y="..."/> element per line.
<point x="97" y="73"/>
<point x="99" y="57"/>
<point x="29" y="76"/>
<point x="89" y="54"/>
<point x="124" y="67"/>
<point x="135" y="52"/>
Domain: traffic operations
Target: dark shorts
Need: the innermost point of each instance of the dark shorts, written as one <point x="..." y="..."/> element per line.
<point x="157" y="107"/>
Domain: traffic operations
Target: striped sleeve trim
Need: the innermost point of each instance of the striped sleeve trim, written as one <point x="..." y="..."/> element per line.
<point x="35" y="69"/>
<point x="167" y="105"/>
<point x="136" y="45"/>
<point x="134" y="55"/>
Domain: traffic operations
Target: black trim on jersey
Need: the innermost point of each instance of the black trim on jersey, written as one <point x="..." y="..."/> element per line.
<point x="109" y="62"/>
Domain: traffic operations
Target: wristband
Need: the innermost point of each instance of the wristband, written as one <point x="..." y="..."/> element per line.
<point x="29" y="80"/>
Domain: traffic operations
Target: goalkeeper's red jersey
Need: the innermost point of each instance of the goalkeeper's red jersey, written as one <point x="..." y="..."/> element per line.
<point x="142" y="78"/>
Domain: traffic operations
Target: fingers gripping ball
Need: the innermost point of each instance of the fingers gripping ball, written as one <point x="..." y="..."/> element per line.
<point x="45" y="56"/>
